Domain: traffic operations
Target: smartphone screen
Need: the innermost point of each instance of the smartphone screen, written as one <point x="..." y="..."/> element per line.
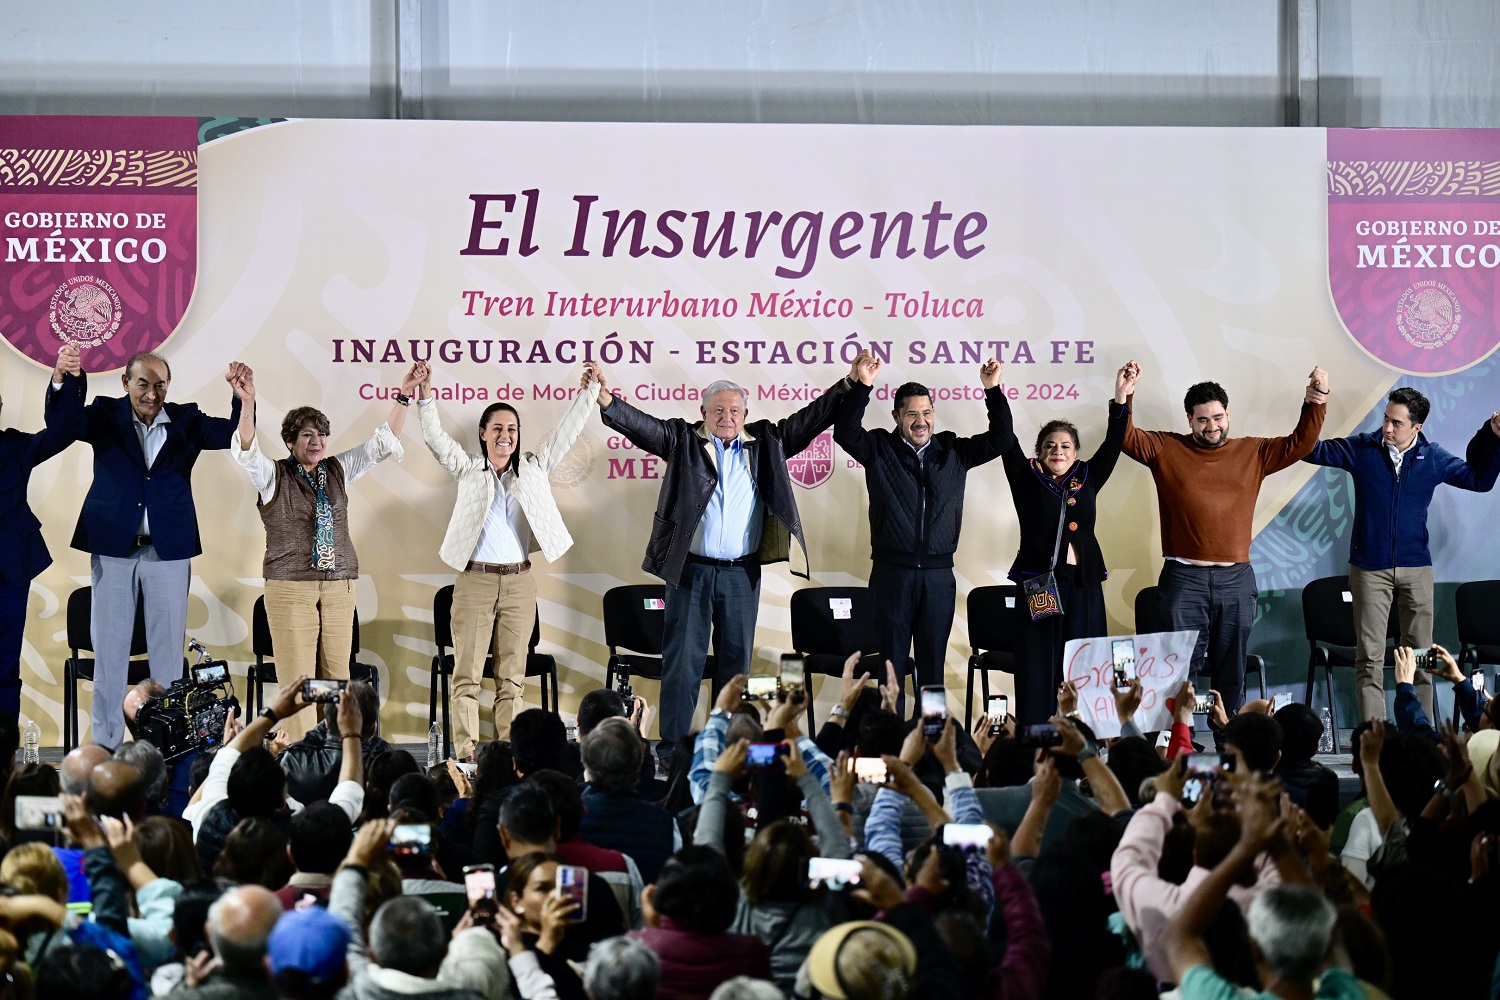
<point x="934" y="710"/>
<point x="39" y="812"/>
<point x="573" y="883"/>
<point x="1203" y="770"/>
<point x="970" y="836"/>
<point x="761" y="688"/>
<point x="1476" y="679"/>
<point x="213" y="673"/>
<point x="998" y="709"/>
<point x="479" y="886"/>
<point x="317" y="689"/>
<point x="1204" y="704"/>
<point x="832" y="873"/>
<point x="766" y="755"/>
<point x="1043" y="734"/>
<point x="411" y="838"/>
<point x="1280" y="701"/>
<point x="793" y="674"/>
<point x="870" y="770"/>
<point x="1124" y="656"/>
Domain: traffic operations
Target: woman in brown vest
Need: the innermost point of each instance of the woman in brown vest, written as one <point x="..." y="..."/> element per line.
<point x="310" y="566"/>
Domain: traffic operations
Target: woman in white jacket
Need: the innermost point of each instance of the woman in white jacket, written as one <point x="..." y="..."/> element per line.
<point x="504" y="512"/>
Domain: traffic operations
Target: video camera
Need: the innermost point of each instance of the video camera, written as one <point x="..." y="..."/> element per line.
<point x="191" y="714"/>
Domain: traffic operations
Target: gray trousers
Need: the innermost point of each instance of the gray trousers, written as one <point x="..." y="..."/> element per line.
<point x="713" y="602"/>
<point x="163" y="584"/>
<point x="1373" y="590"/>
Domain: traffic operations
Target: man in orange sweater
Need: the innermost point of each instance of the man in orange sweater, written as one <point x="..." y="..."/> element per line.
<point x="1206" y="487"/>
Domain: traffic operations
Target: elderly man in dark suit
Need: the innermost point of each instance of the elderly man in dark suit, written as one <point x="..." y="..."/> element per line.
<point x="727" y="507"/>
<point x="139" y="524"/>
<point x="26" y="553"/>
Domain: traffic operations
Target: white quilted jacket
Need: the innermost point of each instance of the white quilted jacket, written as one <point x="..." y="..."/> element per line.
<point x="476" y="483"/>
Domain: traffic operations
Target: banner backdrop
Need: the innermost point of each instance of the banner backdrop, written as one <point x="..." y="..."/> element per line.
<point x="332" y="254"/>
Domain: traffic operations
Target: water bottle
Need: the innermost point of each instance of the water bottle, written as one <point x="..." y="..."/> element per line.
<point x="434" y="745"/>
<point x="1325" y="742"/>
<point x="31" y="752"/>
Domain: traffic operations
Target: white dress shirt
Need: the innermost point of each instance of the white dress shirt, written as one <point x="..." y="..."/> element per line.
<point x="505" y="537"/>
<point x="151" y="439"/>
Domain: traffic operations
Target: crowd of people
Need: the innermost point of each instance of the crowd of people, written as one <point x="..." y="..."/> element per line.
<point x="880" y="858"/>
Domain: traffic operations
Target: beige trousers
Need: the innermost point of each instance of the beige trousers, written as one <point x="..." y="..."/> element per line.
<point x="492" y="615"/>
<point x="312" y="633"/>
<point x="1373" y="590"/>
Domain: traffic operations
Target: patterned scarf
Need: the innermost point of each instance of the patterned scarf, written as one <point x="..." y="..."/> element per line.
<point x="322" y="552"/>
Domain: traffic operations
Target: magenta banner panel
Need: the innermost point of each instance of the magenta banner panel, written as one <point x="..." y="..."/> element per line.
<point x="99" y="222"/>
<point x="1414" y="243"/>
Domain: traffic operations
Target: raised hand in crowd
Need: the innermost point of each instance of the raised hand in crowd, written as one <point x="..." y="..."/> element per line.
<point x="786" y="715"/>
<point x="981" y="734"/>
<point x="876" y="886"/>
<point x="1442" y="663"/>
<point x="1459" y="775"/>
<point x="508" y="926"/>
<point x="998" y="851"/>
<point x="732" y="758"/>
<point x="1406" y="665"/>
<point x="1183" y="703"/>
<point x="796" y="767"/>
<point x="460" y="780"/>
<point x="914" y="747"/>
<point x="991" y="373"/>
<point x="1125" y="380"/>
<point x="945" y="749"/>
<point x="1495" y="423"/>
<point x="866" y="368"/>
<point x="557" y="911"/>
<point x="69" y="362"/>
<point x="83" y="828"/>
<point x="1481" y="856"/>
<point x="370" y="843"/>
<point x="1127" y="698"/>
<point x="929" y="878"/>
<point x="1072" y="737"/>
<point x="850" y="687"/>
<point x="1317" y="386"/>
<point x="842" y="779"/>
<point x="1067" y="698"/>
<point x="732" y="694"/>
<point x="1218" y="716"/>
<point x="890" y="691"/>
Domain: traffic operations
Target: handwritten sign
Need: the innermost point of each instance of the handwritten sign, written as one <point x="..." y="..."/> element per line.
<point x="1162" y="660"/>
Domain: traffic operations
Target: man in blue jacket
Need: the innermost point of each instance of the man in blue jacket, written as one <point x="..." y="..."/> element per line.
<point x="139" y="524"/>
<point x="1396" y="470"/>
<point x="26" y="553"/>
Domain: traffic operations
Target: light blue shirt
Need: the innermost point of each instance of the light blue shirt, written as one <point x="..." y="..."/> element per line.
<point x="730" y="525"/>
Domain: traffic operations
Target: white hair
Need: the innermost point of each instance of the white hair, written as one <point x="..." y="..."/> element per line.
<point x="1292" y="925"/>
<point x="746" y="988"/>
<point x="621" y="968"/>
<point x="724" y="385"/>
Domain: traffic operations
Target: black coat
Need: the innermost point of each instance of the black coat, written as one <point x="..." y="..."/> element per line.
<point x="26" y="553"/>
<point x="691" y="477"/>
<point x="312" y="764"/>
<point x="917" y="502"/>
<point x="1039" y="498"/>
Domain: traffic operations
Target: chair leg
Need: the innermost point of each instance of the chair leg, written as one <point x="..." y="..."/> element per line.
<point x="1312" y="673"/>
<point x="969" y="699"/>
<point x="1261" y="676"/>
<point x="68" y="711"/>
<point x="1333" y="710"/>
<point x="447" y="713"/>
<point x="432" y="681"/>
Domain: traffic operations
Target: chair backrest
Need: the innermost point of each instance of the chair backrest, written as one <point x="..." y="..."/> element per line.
<point x="992" y="617"/>
<point x="80" y="613"/>
<point x="628" y="621"/>
<point x="1149" y="618"/>
<point x="260" y="629"/>
<point x="1478" y="611"/>
<point x="442" y="618"/>
<point x="817" y="627"/>
<point x="1328" y="613"/>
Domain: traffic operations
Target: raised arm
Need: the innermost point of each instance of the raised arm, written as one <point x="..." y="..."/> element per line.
<point x="555" y="448"/>
<point x="1283" y="452"/>
<point x="848" y="422"/>
<point x="63" y="409"/>
<point x="1143" y="446"/>
<point x="1482" y="467"/>
<point x="1102" y="461"/>
<point x="218" y="433"/>
<point x="1001" y="434"/>
<point x="651" y="434"/>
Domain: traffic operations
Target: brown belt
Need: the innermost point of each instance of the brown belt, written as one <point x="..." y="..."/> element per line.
<point x="499" y="569"/>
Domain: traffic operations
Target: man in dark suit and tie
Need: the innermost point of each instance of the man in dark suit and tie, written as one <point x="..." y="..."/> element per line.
<point x="26" y="553"/>
<point x="139" y="524"/>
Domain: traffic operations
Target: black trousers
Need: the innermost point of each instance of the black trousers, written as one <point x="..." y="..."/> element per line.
<point x="1218" y="601"/>
<point x="913" y="605"/>
<point x="1039" y="649"/>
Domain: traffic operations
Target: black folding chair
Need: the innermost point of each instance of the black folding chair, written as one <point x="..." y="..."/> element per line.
<point x="540" y="665"/>
<point x="78" y="668"/>
<point x="633" y="624"/>
<point x="1150" y="617"/>
<point x="993" y="624"/>
<point x="1328" y="622"/>
<point x="1478" y="612"/>
<point x="825" y="639"/>
<point x="263" y="671"/>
